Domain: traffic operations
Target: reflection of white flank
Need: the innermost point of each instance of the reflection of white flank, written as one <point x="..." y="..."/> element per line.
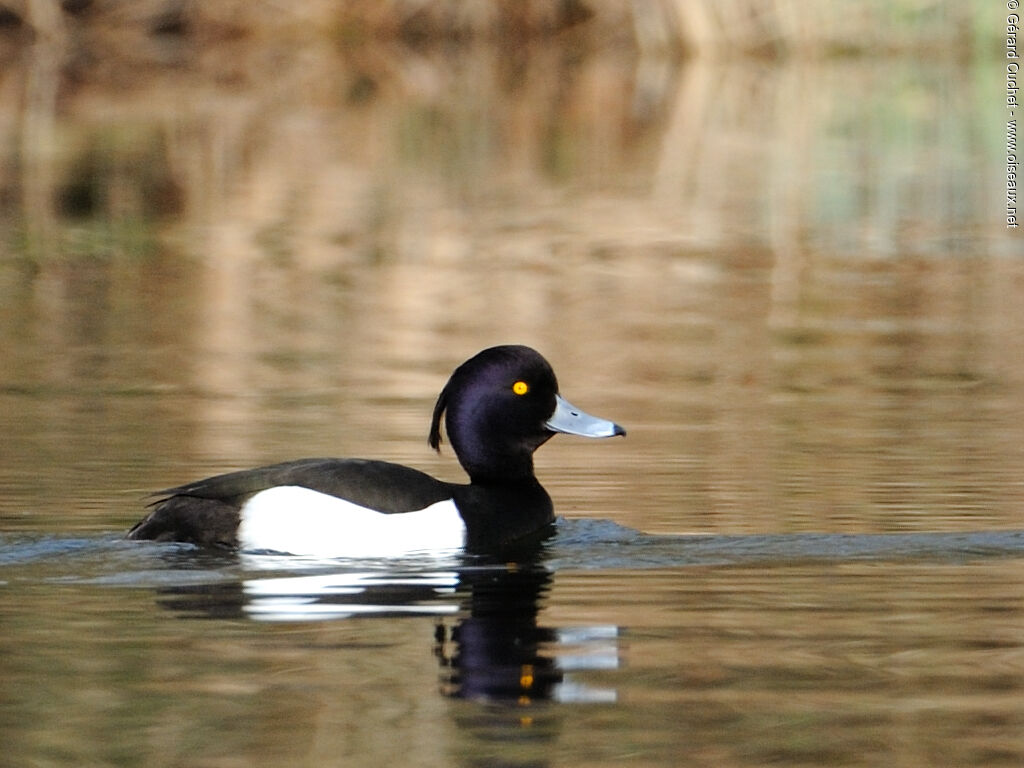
<point x="316" y="597"/>
<point x="346" y="583"/>
<point x="595" y="647"/>
<point x="590" y="648"/>
<point x="297" y="609"/>
<point x="298" y="521"/>
<point x="598" y="658"/>
<point x="579" y="635"/>
<point x="570" y="692"/>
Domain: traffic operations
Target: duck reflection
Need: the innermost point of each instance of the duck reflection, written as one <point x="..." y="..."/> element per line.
<point x="497" y="651"/>
<point x="494" y="651"/>
<point x="493" y="648"/>
<point x="318" y="596"/>
<point x="501" y="668"/>
<point x="500" y="658"/>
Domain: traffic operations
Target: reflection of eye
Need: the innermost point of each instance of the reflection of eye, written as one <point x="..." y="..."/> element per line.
<point x="520" y="387"/>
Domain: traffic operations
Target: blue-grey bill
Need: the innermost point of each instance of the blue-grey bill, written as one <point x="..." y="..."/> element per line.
<point x="570" y="420"/>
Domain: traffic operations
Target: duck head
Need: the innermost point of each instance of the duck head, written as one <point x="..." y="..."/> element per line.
<point x="500" y="406"/>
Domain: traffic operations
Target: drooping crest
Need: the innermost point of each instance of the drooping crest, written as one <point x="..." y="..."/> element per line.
<point x="435" y="423"/>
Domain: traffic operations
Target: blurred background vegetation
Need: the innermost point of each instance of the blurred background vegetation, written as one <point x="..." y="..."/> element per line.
<point x="141" y="29"/>
<point x="133" y="115"/>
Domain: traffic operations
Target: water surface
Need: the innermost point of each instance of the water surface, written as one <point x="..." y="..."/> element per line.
<point x="613" y="646"/>
<point x="785" y="279"/>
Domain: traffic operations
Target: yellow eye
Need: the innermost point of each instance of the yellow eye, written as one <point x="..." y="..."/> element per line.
<point x="520" y="387"/>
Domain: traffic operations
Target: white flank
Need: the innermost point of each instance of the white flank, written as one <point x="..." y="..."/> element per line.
<point x="298" y="521"/>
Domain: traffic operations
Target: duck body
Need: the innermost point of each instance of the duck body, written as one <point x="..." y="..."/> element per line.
<point x="498" y="408"/>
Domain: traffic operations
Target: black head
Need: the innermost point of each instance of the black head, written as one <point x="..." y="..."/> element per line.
<point x="499" y="407"/>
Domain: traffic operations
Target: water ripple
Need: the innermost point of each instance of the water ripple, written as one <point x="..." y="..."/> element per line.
<point x="579" y="545"/>
<point x="590" y="544"/>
